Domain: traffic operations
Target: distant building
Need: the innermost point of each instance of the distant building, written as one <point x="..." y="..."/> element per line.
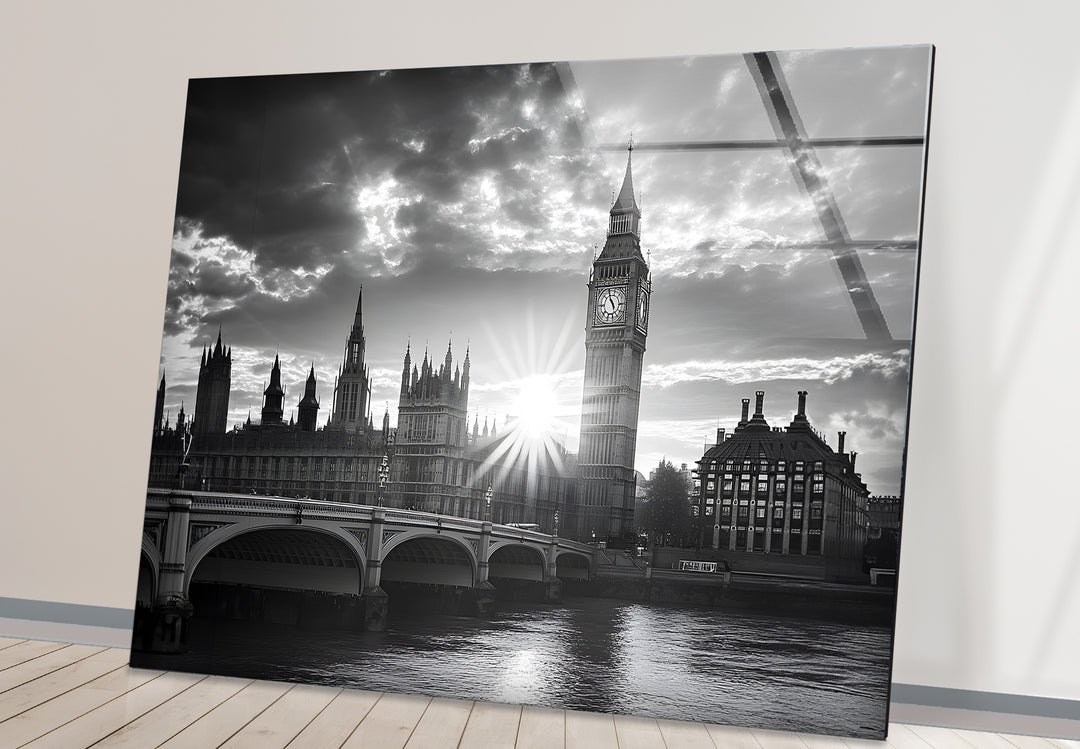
<point x="352" y="390"/>
<point x="435" y="464"/>
<point x="212" y="396"/>
<point x="883" y="513"/>
<point x="781" y="490"/>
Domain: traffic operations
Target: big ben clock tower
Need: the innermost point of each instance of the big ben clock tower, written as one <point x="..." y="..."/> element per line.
<point x="617" y="322"/>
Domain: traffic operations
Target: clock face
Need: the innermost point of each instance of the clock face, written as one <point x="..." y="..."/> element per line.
<point x="611" y="305"/>
<point x="643" y="309"/>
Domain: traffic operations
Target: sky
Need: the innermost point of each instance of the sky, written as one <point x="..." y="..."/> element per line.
<point x="468" y="203"/>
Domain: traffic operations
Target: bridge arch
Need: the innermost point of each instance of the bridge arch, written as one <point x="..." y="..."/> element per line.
<point x="149" y="568"/>
<point x="518" y="561"/>
<point x="573" y="565"/>
<point x="278" y="553"/>
<point x="438" y="559"/>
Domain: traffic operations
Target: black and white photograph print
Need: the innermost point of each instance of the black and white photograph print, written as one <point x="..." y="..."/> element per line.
<point x="579" y="385"/>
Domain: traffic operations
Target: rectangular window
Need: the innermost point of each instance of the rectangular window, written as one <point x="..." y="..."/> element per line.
<point x="744" y="486"/>
<point x="815" y="513"/>
<point x="817" y="487"/>
<point x="762" y="485"/>
<point x="796" y="513"/>
<point x="761" y="512"/>
<point x="744" y="512"/>
<point x="778" y="513"/>
<point x="725" y="512"/>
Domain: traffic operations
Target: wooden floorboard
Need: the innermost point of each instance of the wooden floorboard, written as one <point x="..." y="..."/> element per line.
<point x="160" y="724"/>
<point x="683" y="735"/>
<point x="590" y="731"/>
<point x="63" y="709"/>
<point x="491" y="725"/>
<point x="390" y="722"/>
<point x="16" y="676"/>
<point x="635" y="732"/>
<point x="219" y="725"/>
<point x="27" y="650"/>
<point x="541" y="728"/>
<point x="44" y="688"/>
<point x="333" y="726"/>
<point x="280" y="723"/>
<point x="111" y="717"/>
<point x="732" y="737"/>
<point x="442" y="725"/>
<point x="72" y="696"/>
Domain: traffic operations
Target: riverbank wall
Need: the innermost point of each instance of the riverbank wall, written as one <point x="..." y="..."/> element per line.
<point x="837" y="603"/>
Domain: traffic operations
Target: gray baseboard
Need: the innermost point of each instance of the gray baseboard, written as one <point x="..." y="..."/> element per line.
<point x="66" y="613"/>
<point x="910" y="703"/>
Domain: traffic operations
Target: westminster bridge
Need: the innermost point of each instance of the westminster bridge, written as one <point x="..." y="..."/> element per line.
<point x="345" y="550"/>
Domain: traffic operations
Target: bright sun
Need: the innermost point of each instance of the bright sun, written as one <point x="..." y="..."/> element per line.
<point x="534" y="408"/>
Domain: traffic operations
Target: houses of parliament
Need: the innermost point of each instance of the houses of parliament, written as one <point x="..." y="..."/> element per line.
<point x="436" y="463"/>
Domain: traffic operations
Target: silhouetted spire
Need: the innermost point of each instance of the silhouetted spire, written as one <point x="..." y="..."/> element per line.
<point x="626" y="201"/>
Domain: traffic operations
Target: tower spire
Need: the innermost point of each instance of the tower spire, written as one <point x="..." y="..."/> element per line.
<point x="626" y="201"/>
<point x="624" y="219"/>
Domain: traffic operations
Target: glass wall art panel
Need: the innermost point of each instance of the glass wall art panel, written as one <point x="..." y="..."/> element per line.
<point x="580" y="385"/>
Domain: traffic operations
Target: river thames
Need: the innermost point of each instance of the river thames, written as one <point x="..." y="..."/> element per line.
<point x="684" y="663"/>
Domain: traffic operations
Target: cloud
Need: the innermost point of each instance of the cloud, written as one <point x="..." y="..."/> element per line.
<point x="829" y="371"/>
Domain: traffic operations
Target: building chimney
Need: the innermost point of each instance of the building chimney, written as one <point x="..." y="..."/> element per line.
<point x="760" y="403"/>
<point x="719" y="435"/>
<point x="802" y="404"/>
<point x="840" y="443"/>
<point x="745" y="411"/>
<point x="852" y="455"/>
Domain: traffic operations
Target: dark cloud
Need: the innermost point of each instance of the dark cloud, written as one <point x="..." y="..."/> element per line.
<point x="273" y="164"/>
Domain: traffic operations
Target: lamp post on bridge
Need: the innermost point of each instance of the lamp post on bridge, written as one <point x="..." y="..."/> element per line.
<point x="552" y="585"/>
<point x="484" y="592"/>
<point x="384" y="476"/>
<point x="375" y="600"/>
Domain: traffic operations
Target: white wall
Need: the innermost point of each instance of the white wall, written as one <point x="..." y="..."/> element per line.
<point x="93" y="105"/>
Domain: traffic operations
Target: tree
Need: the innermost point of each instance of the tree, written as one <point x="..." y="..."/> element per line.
<point x="667" y="505"/>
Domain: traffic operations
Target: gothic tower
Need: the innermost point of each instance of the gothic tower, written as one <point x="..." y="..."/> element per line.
<point x="617" y="317"/>
<point x="159" y="406"/>
<point x="431" y="435"/>
<point x="352" y="393"/>
<point x="212" y="396"/>
<point x="273" y="410"/>
<point x="308" y="407"/>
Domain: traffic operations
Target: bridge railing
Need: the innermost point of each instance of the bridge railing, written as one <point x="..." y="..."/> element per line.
<point x="253" y="504"/>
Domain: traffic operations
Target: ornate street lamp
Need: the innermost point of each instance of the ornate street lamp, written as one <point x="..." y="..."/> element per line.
<point x="384" y="475"/>
<point x="487" y="497"/>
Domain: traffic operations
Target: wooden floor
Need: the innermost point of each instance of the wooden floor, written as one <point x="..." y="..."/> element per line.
<point x="61" y="695"/>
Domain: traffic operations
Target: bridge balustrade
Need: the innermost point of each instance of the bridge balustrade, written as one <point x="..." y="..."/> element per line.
<point x="206" y="520"/>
